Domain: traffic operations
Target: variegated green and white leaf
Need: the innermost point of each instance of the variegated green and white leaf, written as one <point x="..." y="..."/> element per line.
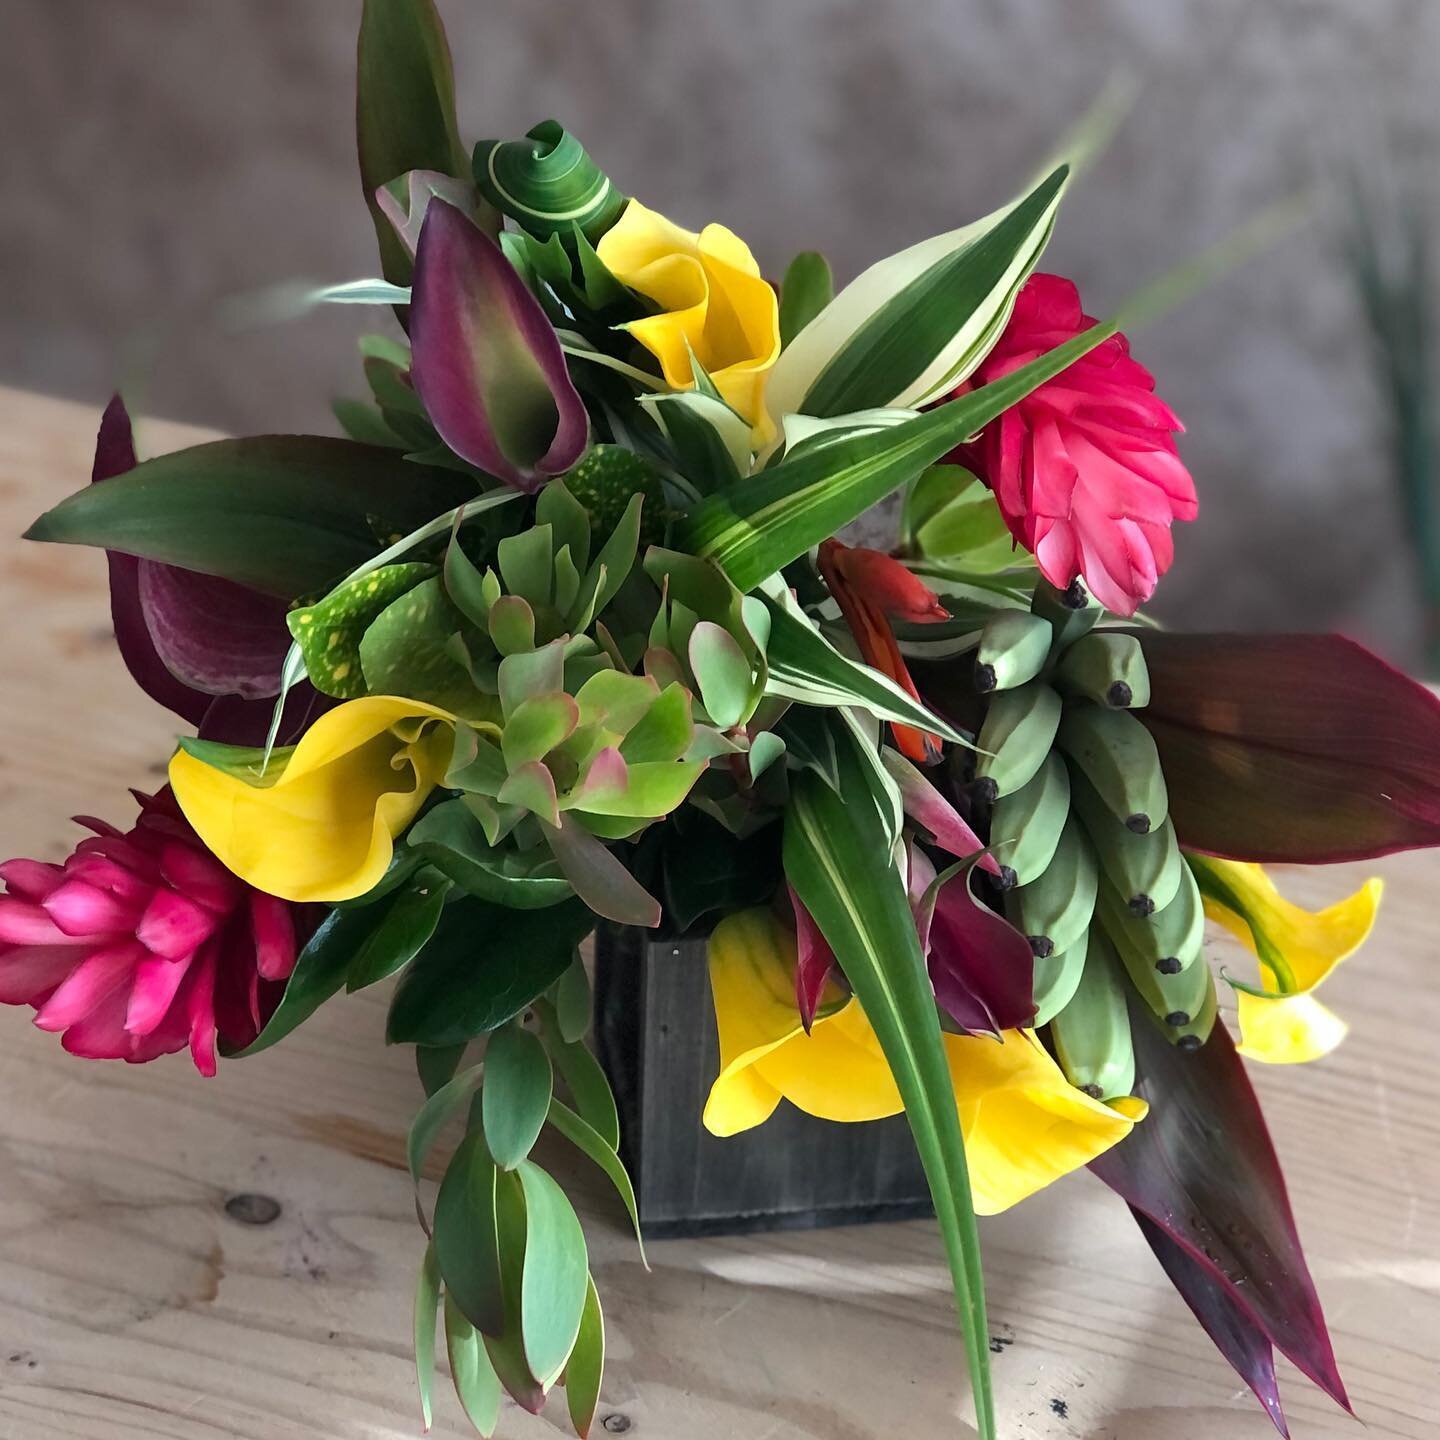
<point x="911" y="327"/>
<point x="806" y="667"/>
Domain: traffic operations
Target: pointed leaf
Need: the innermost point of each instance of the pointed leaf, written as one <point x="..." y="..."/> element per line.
<point x="483" y="966"/>
<point x="557" y="1269"/>
<point x="590" y="1142"/>
<point x="516" y="1096"/>
<point x="405" y="108"/>
<point x="808" y="287"/>
<point x="283" y="514"/>
<point x="1302" y="748"/>
<point x="586" y="1365"/>
<point x="837" y="858"/>
<point x="406" y="928"/>
<point x="1236" y="1336"/>
<point x="466" y="1236"/>
<point x="805" y="666"/>
<point x="427" y="1306"/>
<point x="474" y="1377"/>
<point x="599" y="878"/>
<point x="1202" y="1168"/>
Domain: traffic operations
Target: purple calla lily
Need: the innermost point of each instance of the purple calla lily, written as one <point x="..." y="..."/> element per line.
<point x="814" y="961"/>
<point x="487" y="362"/>
<point x="1202" y="1169"/>
<point x="1303" y="748"/>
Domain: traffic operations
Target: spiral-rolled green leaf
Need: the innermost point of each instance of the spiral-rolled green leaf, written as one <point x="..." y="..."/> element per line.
<point x="547" y="183"/>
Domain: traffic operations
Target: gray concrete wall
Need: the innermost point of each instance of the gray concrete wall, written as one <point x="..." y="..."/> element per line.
<point x="157" y="155"/>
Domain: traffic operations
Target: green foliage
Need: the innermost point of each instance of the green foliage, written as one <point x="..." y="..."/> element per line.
<point x="516" y="1096"/>
<point x="483" y="966"/>
<point x="808" y="287"/>
<point x="405" y="108"/>
<point x="834" y="843"/>
<point x="286" y="514"/>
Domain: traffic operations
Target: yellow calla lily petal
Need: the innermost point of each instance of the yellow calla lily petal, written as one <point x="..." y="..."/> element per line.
<point x="1287" y="1029"/>
<point x="1024" y="1123"/>
<point x="1297" y="949"/>
<point x="713" y="304"/>
<point x="324" y="829"/>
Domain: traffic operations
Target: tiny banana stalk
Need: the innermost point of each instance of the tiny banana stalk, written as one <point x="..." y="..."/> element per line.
<point x="1108" y="667"/>
<point x="1091" y="1034"/>
<point x="1071" y="613"/>
<point x="1025" y="826"/>
<point x="1145" y="869"/>
<point x="1054" y="910"/>
<point x="1014" y="647"/>
<point x="1056" y="978"/>
<point x="1018" y="731"/>
<point x="1120" y="760"/>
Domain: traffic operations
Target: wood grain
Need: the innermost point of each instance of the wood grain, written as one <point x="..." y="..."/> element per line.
<point x="132" y="1304"/>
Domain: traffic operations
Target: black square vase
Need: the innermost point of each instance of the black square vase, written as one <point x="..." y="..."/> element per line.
<point x="655" y="1034"/>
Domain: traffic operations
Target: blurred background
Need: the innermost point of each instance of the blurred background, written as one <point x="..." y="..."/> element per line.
<point x="161" y="156"/>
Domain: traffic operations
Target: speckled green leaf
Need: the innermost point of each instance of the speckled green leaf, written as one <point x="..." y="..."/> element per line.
<point x="329" y="632"/>
<point x="405" y="650"/>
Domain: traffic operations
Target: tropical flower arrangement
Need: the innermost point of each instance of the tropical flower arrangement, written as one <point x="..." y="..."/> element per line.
<point x="569" y="607"/>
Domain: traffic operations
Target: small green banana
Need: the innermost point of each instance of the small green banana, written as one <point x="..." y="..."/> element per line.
<point x="1014" y="740"/>
<point x="1120" y="760"/>
<point x="1176" y="994"/>
<point x="1108" y="667"/>
<point x="1056" y="977"/>
<point x="1145" y="869"/>
<point x="1197" y="1032"/>
<point x="1014" y="647"/>
<point x="1025" y="825"/>
<point x="1053" y="910"/>
<point x="1091" y="1034"/>
<point x="1071" y="613"/>
<point x="1168" y="942"/>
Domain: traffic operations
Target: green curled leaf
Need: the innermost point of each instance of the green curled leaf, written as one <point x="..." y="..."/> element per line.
<point x="548" y="184"/>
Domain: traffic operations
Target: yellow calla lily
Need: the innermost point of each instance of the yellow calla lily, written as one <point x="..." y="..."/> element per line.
<point x="323" y="828"/>
<point x="715" y="306"/>
<point x="1024" y="1124"/>
<point x="1281" y="1022"/>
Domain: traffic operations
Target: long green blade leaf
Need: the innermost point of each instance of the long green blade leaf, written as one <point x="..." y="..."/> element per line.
<point x="805" y="666"/>
<point x="404" y="109"/>
<point x="832" y="842"/>
<point x="765" y="522"/>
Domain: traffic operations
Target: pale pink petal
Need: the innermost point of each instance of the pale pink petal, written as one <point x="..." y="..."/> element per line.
<point x="30" y="879"/>
<point x="29" y="973"/>
<point x="157" y="981"/>
<point x="201" y="876"/>
<point x="80" y="908"/>
<point x="273" y="923"/>
<point x="100" y="1035"/>
<point x="174" y="926"/>
<point x="93" y="980"/>
<point x="200" y="1008"/>
<point x="24" y="924"/>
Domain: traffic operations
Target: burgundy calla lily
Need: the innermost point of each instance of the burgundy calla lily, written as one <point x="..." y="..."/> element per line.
<point x="206" y="648"/>
<point x="1302" y="748"/>
<point x="1202" y="1169"/>
<point x="814" y="961"/>
<point x="487" y="363"/>
<point x="981" y="967"/>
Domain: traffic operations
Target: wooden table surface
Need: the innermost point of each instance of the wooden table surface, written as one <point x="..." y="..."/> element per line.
<point x="133" y="1305"/>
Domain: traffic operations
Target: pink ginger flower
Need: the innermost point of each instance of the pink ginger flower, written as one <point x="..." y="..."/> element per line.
<point x="141" y="944"/>
<point x="1085" y="469"/>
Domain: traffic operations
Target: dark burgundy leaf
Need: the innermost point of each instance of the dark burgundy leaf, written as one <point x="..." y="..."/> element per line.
<point x="980" y="965"/>
<point x="1304" y="748"/>
<point x="814" y="962"/>
<point x="1202" y="1168"/>
<point x="1236" y="1336"/>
